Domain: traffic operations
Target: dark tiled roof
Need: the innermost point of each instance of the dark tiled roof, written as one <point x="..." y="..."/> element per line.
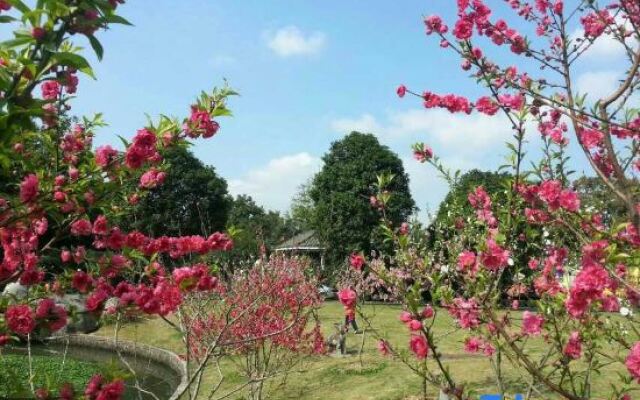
<point x="305" y="240"/>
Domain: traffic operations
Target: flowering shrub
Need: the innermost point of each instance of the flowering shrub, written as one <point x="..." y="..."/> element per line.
<point x="541" y="244"/>
<point x="267" y="321"/>
<point x="60" y="200"/>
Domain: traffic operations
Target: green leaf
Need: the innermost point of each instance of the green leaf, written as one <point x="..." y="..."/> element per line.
<point x="97" y="47"/>
<point x="6" y="18"/>
<point x="75" y="61"/>
<point x="116" y="19"/>
<point x="20" y="6"/>
<point x="18" y="41"/>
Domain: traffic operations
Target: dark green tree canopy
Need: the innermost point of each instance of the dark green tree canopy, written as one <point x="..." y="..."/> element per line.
<point x="456" y="203"/>
<point x="252" y="227"/>
<point x="340" y="192"/>
<point x="192" y="201"/>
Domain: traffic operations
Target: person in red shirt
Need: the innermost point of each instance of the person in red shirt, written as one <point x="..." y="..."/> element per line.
<point x="348" y="298"/>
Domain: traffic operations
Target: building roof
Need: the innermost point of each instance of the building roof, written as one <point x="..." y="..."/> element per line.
<point x="304" y="241"/>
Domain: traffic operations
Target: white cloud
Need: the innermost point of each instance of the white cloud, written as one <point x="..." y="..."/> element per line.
<point x="291" y="41"/>
<point x="365" y="123"/>
<point x="461" y="141"/>
<point x="597" y="84"/>
<point x="606" y="48"/>
<point x="465" y="134"/>
<point x="276" y="183"/>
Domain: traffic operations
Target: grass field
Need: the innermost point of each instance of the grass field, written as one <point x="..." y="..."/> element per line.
<point x="351" y="377"/>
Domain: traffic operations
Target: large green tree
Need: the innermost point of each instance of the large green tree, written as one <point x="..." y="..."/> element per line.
<point x="344" y="218"/>
<point x="192" y="201"/>
<point x="254" y="227"/>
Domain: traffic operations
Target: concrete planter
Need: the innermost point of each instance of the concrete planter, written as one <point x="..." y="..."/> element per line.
<point x="159" y="371"/>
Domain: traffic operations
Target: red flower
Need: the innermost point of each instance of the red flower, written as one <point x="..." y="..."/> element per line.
<point x="573" y="349"/>
<point x="50" y="90"/>
<point x="54" y="316"/>
<point x="105" y="156"/>
<point x="81" y="227"/>
<point x="419" y="346"/>
<point x="20" y="319"/>
<point x="38" y="33"/>
<point x="401" y="91"/>
<point x="531" y="323"/>
<point x="494" y="257"/>
<point x="383" y="347"/>
<point x="356" y="261"/>
<point x="29" y="189"/>
<point x="633" y="361"/>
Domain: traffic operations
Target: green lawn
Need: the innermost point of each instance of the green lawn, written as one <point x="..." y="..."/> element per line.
<point x="345" y="378"/>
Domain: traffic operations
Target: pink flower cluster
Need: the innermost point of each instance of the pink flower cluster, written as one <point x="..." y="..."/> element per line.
<point x="422" y="152"/>
<point x="200" y="124"/>
<point x="573" y="348"/>
<point x="196" y="277"/>
<point x="419" y="346"/>
<point x="465" y="312"/>
<point x="633" y="361"/>
<point x="143" y="149"/>
<point x="594" y="24"/>
<point x="271" y="304"/>
<point x="551" y="193"/>
<point x="356" y="261"/>
<point x="552" y="126"/>
<point x="481" y="202"/>
<point x="475" y="344"/>
<point x="450" y="102"/>
<point x="592" y="284"/>
<point x="98" y="389"/>
<point x="532" y="323"/>
<point x="494" y="257"/>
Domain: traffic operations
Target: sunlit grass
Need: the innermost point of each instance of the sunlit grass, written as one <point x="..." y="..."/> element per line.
<point x="369" y="375"/>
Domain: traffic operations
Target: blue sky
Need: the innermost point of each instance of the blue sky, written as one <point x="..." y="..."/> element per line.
<point x="308" y="72"/>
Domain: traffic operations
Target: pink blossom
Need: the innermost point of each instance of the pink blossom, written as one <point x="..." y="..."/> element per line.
<point x="512" y="101"/>
<point x="569" y="200"/>
<point x="487" y="106"/>
<point x="356" y="261"/>
<point x="531" y="323"/>
<point x="405" y="316"/>
<point x="463" y="29"/>
<point x="473" y="344"/>
<point x="419" y="346"/>
<point x="53" y="315"/>
<point x="466" y="259"/>
<point x="105" y="156"/>
<point x="591" y="138"/>
<point x="494" y="257"/>
<point x="152" y="179"/>
<point x="422" y="152"/>
<point x="50" y="90"/>
<point x="414" y="325"/>
<point x="434" y="23"/>
<point x="19" y="319"/>
<point x="466" y="312"/>
<point x="29" y="188"/>
<point x="401" y="91"/>
<point x="594" y="24"/>
<point x="633" y="361"/>
<point x="573" y="348"/>
<point x="100" y="225"/>
<point x="383" y="347"/>
<point x="81" y="227"/>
